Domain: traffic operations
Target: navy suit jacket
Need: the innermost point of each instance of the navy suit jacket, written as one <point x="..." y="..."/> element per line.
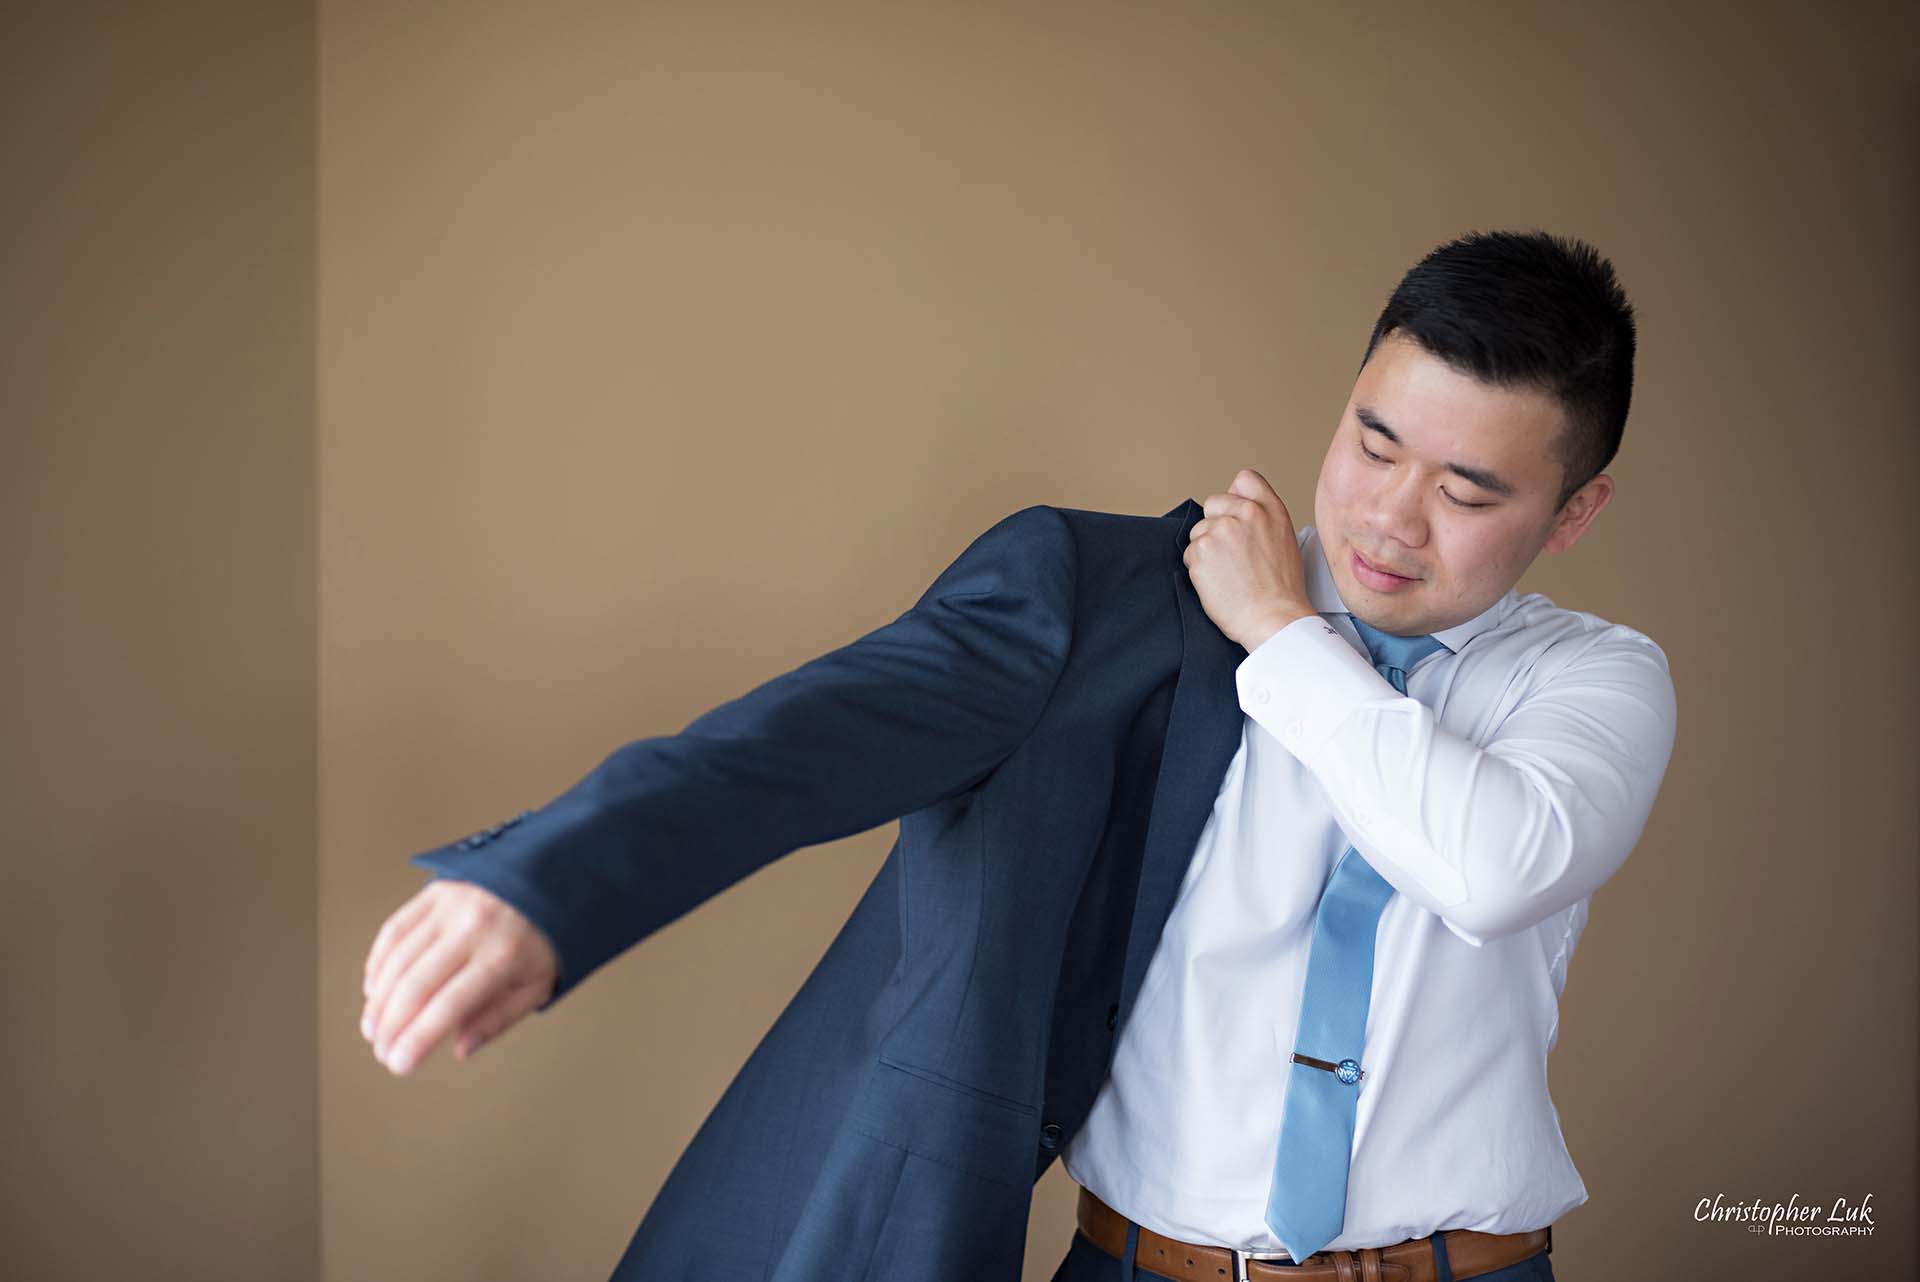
<point x="1050" y="723"/>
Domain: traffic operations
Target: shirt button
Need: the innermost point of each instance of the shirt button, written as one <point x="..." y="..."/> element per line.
<point x="1261" y="694"/>
<point x="1293" y="729"/>
<point x="1050" y="1136"/>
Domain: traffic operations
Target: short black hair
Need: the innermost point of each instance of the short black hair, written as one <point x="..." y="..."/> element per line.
<point x="1527" y="309"/>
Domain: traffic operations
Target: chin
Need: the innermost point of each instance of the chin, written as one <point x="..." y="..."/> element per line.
<point x="1388" y="613"/>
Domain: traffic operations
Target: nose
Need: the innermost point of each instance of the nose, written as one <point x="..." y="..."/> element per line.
<point x="1394" y="509"/>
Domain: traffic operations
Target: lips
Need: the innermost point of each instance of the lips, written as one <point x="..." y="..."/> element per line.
<point x="1378" y="568"/>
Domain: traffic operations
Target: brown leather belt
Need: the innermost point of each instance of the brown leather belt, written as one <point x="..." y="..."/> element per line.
<point x="1469" y="1254"/>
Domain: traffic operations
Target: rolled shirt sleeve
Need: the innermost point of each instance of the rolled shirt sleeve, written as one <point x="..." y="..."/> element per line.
<point x="1494" y="837"/>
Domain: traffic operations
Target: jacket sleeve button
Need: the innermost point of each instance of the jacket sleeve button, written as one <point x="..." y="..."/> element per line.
<point x="1050" y="1136"/>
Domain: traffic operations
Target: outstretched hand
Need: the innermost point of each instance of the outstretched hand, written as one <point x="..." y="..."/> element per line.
<point x="1243" y="558"/>
<point x="458" y="960"/>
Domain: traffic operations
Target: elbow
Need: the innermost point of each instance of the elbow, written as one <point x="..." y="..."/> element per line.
<point x="1479" y="920"/>
<point x="1517" y="883"/>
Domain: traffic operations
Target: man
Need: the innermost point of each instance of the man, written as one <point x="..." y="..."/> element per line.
<point x="1240" y="865"/>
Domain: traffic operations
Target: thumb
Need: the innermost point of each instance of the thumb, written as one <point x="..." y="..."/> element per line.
<point x="1249" y="484"/>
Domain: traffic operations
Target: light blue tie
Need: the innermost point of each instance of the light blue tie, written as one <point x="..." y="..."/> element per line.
<point x="1307" y="1205"/>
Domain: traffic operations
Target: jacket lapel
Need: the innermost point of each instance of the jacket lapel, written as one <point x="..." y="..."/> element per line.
<point x="1203" y="732"/>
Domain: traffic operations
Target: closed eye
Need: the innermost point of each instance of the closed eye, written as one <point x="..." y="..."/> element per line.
<point x="1377" y="458"/>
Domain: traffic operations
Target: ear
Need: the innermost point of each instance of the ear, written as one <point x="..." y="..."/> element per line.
<point x="1582" y="506"/>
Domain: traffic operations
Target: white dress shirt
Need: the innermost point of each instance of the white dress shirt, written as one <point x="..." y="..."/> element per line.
<point x="1510" y="782"/>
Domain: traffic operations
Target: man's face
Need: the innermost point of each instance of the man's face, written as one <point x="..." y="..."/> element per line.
<point x="1428" y="505"/>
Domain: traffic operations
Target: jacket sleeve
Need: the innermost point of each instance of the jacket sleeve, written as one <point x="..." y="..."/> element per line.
<point x="915" y="711"/>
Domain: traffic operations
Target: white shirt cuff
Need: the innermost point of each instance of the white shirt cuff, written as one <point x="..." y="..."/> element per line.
<point x="1303" y="681"/>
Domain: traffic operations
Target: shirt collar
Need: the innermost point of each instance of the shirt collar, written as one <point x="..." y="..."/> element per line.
<point x="1325" y="597"/>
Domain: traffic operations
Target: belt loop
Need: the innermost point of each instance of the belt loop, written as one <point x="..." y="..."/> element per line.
<point x="1127" y="1253"/>
<point x="1442" y="1266"/>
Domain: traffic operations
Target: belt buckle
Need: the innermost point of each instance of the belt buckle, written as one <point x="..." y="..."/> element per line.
<point x="1240" y="1259"/>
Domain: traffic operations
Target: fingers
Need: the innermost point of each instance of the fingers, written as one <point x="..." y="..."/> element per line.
<point x="423" y="986"/>
<point x="1247" y="494"/>
<point x="463" y="962"/>
<point x="1249" y="498"/>
<point x="494" y="1019"/>
<point x="1250" y="484"/>
<point x="1240" y="505"/>
<point x="472" y="989"/>
<point x="401" y="955"/>
<point x="479" y="1003"/>
<point x="399" y="923"/>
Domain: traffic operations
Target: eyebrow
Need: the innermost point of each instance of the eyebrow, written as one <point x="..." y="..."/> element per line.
<point x="1478" y="475"/>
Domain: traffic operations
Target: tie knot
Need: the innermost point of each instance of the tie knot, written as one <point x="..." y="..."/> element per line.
<point x="1391" y="651"/>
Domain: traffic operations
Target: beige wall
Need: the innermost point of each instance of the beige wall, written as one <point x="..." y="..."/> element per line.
<point x="158" y="1054"/>
<point x="665" y="346"/>
<point x="661" y="347"/>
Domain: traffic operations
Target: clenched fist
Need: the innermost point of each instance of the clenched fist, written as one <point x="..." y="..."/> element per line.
<point x="1243" y="559"/>
<point x="455" y="959"/>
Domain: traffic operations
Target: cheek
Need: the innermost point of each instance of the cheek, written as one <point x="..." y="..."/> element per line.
<point x="1479" y="557"/>
<point x="1341" y="483"/>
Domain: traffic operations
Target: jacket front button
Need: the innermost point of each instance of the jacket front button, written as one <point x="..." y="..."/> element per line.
<point x="1050" y="1136"/>
<point x="1113" y="1016"/>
